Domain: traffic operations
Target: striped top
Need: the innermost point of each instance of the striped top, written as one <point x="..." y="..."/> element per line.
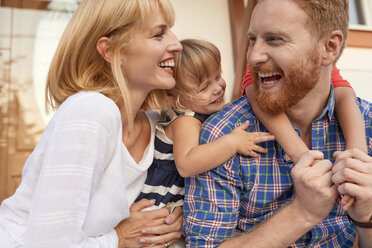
<point x="244" y="191"/>
<point x="163" y="182"/>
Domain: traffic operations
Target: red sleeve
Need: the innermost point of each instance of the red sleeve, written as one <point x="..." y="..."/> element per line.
<point x="247" y="80"/>
<point x="337" y="80"/>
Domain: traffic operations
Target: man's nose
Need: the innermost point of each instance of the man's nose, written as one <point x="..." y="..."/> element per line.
<point x="257" y="54"/>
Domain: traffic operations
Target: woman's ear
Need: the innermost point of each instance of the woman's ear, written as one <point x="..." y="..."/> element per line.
<point x="332" y="47"/>
<point x="103" y="47"/>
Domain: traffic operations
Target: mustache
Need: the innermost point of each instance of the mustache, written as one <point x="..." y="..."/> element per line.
<point x="266" y="69"/>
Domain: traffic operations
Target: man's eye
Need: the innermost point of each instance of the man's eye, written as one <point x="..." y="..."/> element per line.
<point x="274" y="39"/>
<point x="252" y="40"/>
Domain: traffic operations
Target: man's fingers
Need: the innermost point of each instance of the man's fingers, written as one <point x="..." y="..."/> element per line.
<point x="323" y="166"/>
<point x="353" y="190"/>
<point x="352" y="153"/>
<point x="360" y="155"/>
<point x="327" y="178"/>
<point x="351" y="177"/>
<point x="336" y="154"/>
<point x="350" y="164"/>
<point x="308" y="158"/>
<point x="347" y="189"/>
<point x="334" y="191"/>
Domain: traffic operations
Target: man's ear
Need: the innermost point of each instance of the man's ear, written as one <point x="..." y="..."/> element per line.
<point x="103" y="48"/>
<point x="332" y="45"/>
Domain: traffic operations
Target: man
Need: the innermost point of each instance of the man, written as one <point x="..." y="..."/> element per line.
<point x="294" y="45"/>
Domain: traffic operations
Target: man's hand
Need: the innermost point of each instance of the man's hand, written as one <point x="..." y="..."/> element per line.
<point x="352" y="173"/>
<point x="315" y="192"/>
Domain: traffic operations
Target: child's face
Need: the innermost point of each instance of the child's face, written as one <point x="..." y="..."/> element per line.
<point x="209" y="95"/>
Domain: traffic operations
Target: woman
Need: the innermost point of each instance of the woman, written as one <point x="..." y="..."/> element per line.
<point x="113" y="60"/>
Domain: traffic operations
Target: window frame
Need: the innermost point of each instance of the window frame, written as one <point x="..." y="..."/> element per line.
<point x="25" y="4"/>
<point x="359" y="36"/>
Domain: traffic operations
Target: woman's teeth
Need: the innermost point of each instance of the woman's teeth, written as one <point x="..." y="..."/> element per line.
<point x="166" y="64"/>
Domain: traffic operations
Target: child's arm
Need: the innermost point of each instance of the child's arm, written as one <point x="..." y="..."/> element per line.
<point x="192" y="158"/>
<point x="280" y="126"/>
<point x="350" y="118"/>
<point x="352" y="126"/>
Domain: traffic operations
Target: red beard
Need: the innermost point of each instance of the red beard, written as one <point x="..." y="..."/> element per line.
<point x="298" y="82"/>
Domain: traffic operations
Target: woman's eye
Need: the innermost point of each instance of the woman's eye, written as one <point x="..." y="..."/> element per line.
<point x="159" y="35"/>
<point x="218" y="77"/>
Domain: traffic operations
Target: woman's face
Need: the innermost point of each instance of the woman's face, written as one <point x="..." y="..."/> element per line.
<point x="148" y="62"/>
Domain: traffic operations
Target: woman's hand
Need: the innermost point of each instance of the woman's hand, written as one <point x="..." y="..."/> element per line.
<point x="129" y="230"/>
<point x="168" y="232"/>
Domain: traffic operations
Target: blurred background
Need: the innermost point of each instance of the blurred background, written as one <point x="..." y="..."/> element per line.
<point x="30" y="30"/>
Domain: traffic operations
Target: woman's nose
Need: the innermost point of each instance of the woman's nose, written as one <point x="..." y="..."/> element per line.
<point x="174" y="44"/>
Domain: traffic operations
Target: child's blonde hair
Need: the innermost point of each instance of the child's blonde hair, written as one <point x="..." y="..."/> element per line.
<point x="77" y="65"/>
<point x="196" y="62"/>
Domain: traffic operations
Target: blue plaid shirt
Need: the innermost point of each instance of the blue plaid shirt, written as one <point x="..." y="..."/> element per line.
<point x="244" y="191"/>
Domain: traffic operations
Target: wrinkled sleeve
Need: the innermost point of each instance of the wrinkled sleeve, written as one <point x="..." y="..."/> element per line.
<point x="247" y="80"/>
<point x="80" y="146"/>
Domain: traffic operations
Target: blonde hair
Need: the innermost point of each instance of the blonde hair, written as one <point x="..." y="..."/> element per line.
<point x="326" y="16"/>
<point x="197" y="61"/>
<point x="77" y="65"/>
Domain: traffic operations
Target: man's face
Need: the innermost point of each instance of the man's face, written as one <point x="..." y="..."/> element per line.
<point x="283" y="56"/>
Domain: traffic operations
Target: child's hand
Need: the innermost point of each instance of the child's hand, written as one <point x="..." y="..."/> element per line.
<point x="245" y="142"/>
<point x="346" y="202"/>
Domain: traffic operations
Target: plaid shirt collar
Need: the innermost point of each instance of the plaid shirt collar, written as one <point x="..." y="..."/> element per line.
<point x="330" y="108"/>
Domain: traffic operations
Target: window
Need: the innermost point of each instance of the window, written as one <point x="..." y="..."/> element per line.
<point x="29" y="33"/>
<point x="360" y="29"/>
<point x="361" y="14"/>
